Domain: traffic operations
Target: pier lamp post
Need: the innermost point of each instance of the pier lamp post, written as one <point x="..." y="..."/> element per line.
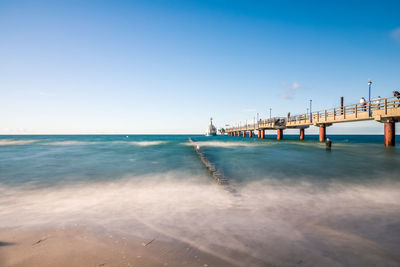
<point x="270" y="116"/>
<point x="270" y="110"/>
<point x="369" y="97"/>
<point x="310" y="110"/>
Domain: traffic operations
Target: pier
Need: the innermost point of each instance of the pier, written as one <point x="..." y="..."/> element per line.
<point x="385" y="110"/>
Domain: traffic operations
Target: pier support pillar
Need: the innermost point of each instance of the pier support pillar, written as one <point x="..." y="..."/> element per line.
<point x="244" y="133"/>
<point x="322" y="133"/>
<point x="302" y="134"/>
<point x="238" y="133"/>
<point x="250" y="134"/>
<point x="279" y="134"/>
<point x="390" y="133"/>
<point x="262" y="134"/>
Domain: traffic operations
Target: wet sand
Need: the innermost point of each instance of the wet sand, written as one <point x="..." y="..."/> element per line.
<point x="81" y="246"/>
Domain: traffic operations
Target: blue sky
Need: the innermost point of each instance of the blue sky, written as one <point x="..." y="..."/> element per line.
<point x="167" y="66"/>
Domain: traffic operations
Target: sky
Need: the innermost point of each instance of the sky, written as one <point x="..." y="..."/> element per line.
<point x="152" y="67"/>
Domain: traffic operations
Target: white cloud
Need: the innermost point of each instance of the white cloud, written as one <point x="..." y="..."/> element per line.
<point x="295" y="85"/>
<point x="290" y="89"/>
<point x="395" y="34"/>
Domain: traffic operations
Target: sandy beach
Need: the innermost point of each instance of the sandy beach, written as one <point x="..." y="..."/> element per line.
<point x="80" y="246"/>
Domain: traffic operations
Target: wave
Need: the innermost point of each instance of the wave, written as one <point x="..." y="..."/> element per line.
<point x="68" y="143"/>
<point x="11" y="142"/>
<point x="227" y="144"/>
<point x="146" y="143"/>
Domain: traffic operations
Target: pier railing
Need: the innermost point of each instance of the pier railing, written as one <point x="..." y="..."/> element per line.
<point x="344" y="112"/>
<point x="353" y="112"/>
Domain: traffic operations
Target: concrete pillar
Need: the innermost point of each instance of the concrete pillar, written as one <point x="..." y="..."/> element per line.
<point x="234" y="133"/>
<point x="302" y="134"/>
<point x="390" y="133"/>
<point x="244" y="133"/>
<point x="259" y="134"/>
<point x="279" y="134"/>
<point x="250" y="134"/>
<point x="322" y="133"/>
<point x="262" y="134"/>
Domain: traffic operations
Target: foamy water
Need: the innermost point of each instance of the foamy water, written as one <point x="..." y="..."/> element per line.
<point x="68" y="143"/>
<point x="146" y="143"/>
<point x="10" y="142"/>
<point x="223" y="144"/>
<point x="295" y="204"/>
<point x="267" y="217"/>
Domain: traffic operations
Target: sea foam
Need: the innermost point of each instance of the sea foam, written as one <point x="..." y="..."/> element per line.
<point x="11" y="142"/>
<point x="68" y="143"/>
<point x="223" y="144"/>
<point x="275" y="222"/>
<point x="146" y="143"/>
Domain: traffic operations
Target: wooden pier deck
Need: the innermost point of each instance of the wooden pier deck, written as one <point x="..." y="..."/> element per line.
<point x="385" y="110"/>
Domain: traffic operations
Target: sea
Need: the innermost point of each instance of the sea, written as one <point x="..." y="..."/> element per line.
<point x="287" y="203"/>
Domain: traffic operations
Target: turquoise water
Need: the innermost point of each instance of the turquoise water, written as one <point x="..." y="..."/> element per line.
<point x="47" y="160"/>
<point x="294" y="197"/>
